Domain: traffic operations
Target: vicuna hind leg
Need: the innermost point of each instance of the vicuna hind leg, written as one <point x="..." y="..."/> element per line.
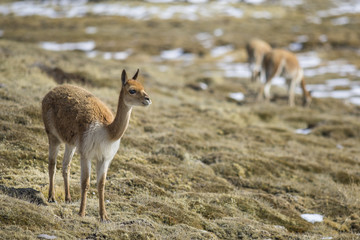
<point x="54" y="144"/>
<point x="270" y="73"/>
<point x="85" y="182"/>
<point x="292" y="92"/>
<point x="69" y="153"/>
<point x="264" y="91"/>
<point x="101" y="172"/>
<point x="295" y="82"/>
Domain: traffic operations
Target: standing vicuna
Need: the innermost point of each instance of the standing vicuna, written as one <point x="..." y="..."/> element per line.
<point x="256" y="49"/>
<point x="76" y="117"/>
<point x="279" y="62"/>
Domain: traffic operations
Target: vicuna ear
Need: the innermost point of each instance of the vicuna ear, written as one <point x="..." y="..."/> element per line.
<point x="124" y="77"/>
<point x="136" y="74"/>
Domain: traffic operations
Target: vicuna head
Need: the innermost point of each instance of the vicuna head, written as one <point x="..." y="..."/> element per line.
<point x="133" y="91"/>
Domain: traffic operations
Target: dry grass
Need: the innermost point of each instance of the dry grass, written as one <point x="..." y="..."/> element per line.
<point x="194" y="165"/>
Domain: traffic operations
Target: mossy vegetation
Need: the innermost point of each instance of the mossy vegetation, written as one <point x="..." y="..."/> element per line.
<point x="194" y="165"/>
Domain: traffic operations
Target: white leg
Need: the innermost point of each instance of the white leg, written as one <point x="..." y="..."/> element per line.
<point x="54" y="144"/>
<point x="69" y="153"/>
<point x="267" y="90"/>
<point x="85" y="182"/>
<point x="101" y="172"/>
<point x="292" y="92"/>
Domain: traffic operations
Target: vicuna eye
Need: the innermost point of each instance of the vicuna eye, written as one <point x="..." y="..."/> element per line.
<point x="132" y="91"/>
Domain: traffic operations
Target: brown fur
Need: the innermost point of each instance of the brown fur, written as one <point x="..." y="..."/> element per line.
<point x="279" y="62"/>
<point x="256" y="49"/>
<point x="73" y="109"/>
<point x="75" y="116"/>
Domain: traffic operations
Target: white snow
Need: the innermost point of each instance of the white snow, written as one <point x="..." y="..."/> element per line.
<point x="292" y="3"/>
<point x="314" y="19"/>
<point x="45" y="236"/>
<point x="91" y="30"/>
<point x="323" y="38"/>
<point x="319" y="94"/>
<point x="192" y="11"/>
<point x="122" y="55"/>
<point x="172" y="54"/>
<point x="340" y="21"/>
<point x="317" y="87"/>
<point x="341" y="8"/>
<point x="238" y="70"/>
<point x="237" y="96"/>
<point x="339" y="146"/>
<point x="278" y="81"/>
<point x="205" y="39"/>
<point x="203" y="85"/>
<point x="91" y="54"/>
<point x="340" y="67"/>
<point x="312" y="218"/>
<point x="160" y="1"/>
<point x="295" y="47"/>
<point x="221" y="50"/>
<point x="326" y="90"/>
<point x="308" y="59"/>
<point x="82" y="46"/>
<point x="176" y="54"/>
<point x="355" y="100"/>
<point x="338" y="82"/>
<point x="218" y="32"/>
<point x="256" y="2"/>
<point x="110" y="55"/>
<point x="304" y="131"/>
<point x="341" y="94"/>
<point x="355" y="90"/>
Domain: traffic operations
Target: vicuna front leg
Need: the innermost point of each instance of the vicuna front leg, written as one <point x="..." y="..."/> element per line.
<point x="54" y="144"/>
<point x="292" y="92"/>
<point x="85" y="183"/>
<point x="69" y="153"/>
<point x="101" y="172"/>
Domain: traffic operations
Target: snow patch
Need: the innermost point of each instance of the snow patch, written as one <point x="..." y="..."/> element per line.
<point x="312" y="218"/>
<point x="221" y="50"/>
<point x="45" y="236"/>
<point x="82" y="46"/>
<point x="232" y="70"/>
<point x="304" y="131"/>
<point x="172" y="54"/>
<point x="340" y="21"/>
<point x="355" y="100"/>
<point x="237" y="96"/>
<point x="205" y="39"/>
<point x="308" y="59"/>
<point x="91" y="30"/>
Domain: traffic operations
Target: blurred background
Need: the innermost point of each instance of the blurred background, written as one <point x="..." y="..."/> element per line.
<point x="208" y="34"/>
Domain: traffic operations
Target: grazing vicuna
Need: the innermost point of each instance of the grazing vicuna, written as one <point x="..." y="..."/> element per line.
<point x="283" y="63"/>
<point x="74" y="116"/>
<point x="256" y="49"/>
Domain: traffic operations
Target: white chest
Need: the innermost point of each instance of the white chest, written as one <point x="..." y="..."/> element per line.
<point x="96" y="143"/>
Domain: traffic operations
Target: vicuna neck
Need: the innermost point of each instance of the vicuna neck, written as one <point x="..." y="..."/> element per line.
<point x="117" y="128"/>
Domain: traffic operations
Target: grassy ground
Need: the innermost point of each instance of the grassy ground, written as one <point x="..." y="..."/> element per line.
<point x="194" y="165"/>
